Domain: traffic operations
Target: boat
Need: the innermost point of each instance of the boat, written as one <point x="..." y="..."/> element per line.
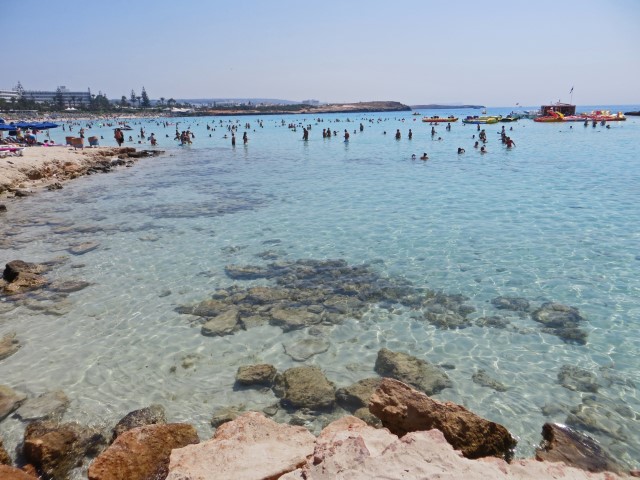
<point x="509" y="118"/>
<point x="482" y="120"/>
<point x="416" y="113"/>
<point x="437" y="119"/>
<point x="606" y="115"/>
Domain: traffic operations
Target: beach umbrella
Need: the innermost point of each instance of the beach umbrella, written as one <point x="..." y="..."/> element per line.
<point x="6" y="126"/>
<point x="46" y="125"/>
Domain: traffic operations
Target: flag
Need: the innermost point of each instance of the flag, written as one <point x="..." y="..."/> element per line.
<point x="571" y="91"/>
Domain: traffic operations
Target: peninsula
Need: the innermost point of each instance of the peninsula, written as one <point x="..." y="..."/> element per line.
<point x="359" y="107"/>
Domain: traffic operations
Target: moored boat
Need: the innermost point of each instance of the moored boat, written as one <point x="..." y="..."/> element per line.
<point x="482" y="119"/>
<point x="437" y="119"/>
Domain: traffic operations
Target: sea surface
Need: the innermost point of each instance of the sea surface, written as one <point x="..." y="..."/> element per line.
<point x="554" y="219"/>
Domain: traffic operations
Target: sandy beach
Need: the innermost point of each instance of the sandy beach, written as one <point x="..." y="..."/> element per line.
<point x="49" y="167"/>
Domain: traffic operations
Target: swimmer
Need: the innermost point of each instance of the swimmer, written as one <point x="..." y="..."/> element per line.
<point x="424" y="156"/>
<point x="483" y="150"/>
<point x="460" y="150"/>
<point x="413" y="157"/>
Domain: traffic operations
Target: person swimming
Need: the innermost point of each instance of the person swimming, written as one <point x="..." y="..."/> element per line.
<point x="424" y="156"/>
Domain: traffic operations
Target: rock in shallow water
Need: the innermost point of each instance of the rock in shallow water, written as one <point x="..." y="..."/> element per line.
<point x="305" y="387"/>
<point x="225" y="323"/>
<point x="9" y="400"/>
<point x="305" y="348"/>
<point x="563" y="444"/>
<point x="261" y="375"/>
<point x="9" y="345"/>
<point x="50" y="405"/>
<point x="420" y="374"/>
<point x="151" y="415"/>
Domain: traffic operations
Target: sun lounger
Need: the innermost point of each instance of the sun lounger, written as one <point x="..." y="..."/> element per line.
<point x="11" y="150"/>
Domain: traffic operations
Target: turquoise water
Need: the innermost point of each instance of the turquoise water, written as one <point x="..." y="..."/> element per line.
<point x="554" y="219"/>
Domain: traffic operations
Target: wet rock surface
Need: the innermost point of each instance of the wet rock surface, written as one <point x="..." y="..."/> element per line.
<point x="54" y="449"/>
<point x="259" y="375"/>
<point x="357" y="395"/>
<point x="516" y="304"/>
<point x="20" y="276"/>
<point x="424" y="376"/>
<point x="564" y="444"/>
<point x="151" y="415"/>
<point x="305" y="387"/>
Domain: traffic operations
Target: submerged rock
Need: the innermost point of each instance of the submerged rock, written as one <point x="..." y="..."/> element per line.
<point x="406" y="368"/>
<point x="305" y="348"/>
<point x="9" y="400"/>
<point x="562" y="321"/>
<point x="225" y="323"/>
<point x="226" y="414"/>
<point x="20" y="276"/>
<point x="482" y="378"/>
<point x="48" y="406"/>
<point x="577" y="379"/>
<point x="9" y="345"/>
<point x="403" y="409"/>
<point x="517" y="304"/>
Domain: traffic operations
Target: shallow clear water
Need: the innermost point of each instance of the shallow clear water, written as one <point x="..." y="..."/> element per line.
<point x="554" y="219"/>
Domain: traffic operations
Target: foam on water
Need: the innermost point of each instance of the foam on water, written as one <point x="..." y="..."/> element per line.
<point x="554" y="219"/>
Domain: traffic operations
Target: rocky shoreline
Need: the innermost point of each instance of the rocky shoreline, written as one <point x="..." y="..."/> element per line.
<point x="50" y="167"/>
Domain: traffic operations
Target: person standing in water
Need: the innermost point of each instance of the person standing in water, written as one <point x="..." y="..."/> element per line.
<point x="346" y="135"/>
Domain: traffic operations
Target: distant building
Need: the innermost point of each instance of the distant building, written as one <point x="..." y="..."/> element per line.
<point x="563" y="108"/>
<point x="8" y="95"/>
<point x="70" y="99"/>
<point x="310" y="102"/>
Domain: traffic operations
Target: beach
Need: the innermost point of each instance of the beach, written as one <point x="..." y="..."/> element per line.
<point x="510" y="272"/>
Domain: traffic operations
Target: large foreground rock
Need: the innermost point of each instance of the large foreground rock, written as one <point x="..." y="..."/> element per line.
<point x="250" y="447"/>
<point x="348" y="450"/>
<point x="403" y="409"/>
<point x="563" y="444"/>
<point x="11" y="473"/>
<point x="408" y="369"/>
<point x="142" y="453"/>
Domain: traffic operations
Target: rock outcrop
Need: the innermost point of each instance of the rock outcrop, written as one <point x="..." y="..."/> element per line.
<point x="11" y="473"/>
<point x="9" y="400"/>
<point x="250" y="447"/>
<point x="403" y="410"/>
<point x="259" y="375"/>
<point x="142" y="453"/>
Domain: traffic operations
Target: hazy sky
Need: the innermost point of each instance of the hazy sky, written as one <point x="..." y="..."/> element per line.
<point x="495" y="53"/>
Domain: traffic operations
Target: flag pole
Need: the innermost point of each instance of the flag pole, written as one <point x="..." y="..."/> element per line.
<point x="571" y="93"/>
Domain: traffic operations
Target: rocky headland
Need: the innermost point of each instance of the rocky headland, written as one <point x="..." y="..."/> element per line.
<point x="358" y="107"/>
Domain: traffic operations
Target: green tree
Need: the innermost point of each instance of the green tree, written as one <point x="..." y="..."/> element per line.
<point x="58" y="99"/>
<point x="132" y="97"/>
<point x="145" y="99"/>
<point x="123" y="101"/>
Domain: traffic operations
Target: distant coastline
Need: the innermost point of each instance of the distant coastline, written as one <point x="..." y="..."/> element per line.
<point x="434" y="106"/>
<point x="359" y="107"/>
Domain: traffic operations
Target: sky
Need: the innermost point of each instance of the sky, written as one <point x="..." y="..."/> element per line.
<point x="497" y="53"/>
